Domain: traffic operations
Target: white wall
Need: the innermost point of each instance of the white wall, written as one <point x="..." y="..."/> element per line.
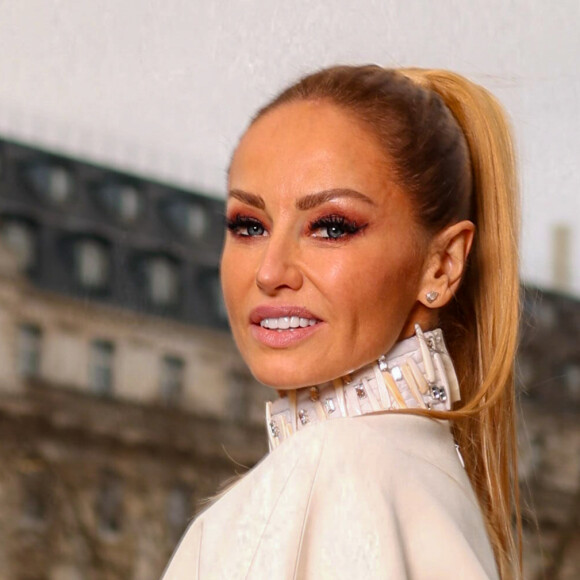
<point x="164" y="87"/>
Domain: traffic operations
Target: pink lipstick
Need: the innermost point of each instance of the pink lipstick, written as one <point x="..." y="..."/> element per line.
<point x="283" y="326"/>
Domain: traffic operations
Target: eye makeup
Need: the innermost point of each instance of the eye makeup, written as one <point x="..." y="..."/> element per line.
<point x="245" y="226"/>
<point x="331" y="227"/>
<point x="335" y="227"/>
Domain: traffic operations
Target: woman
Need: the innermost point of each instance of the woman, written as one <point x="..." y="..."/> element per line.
<point x="368" y="209"/>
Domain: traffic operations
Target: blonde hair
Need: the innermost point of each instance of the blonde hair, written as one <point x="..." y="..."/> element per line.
<point x="452" y="150"/>
<point x="484" y="345"/>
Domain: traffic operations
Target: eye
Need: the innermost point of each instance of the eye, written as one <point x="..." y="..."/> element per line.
<point x="245" y="227"/>
<point x="334" y="227"/>
<point x="334" y="232"/>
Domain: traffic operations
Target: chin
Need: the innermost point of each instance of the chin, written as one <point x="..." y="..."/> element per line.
<point x="287" y="377"/>
<point x="280" y="381"/>
<point x="286" y="373"/>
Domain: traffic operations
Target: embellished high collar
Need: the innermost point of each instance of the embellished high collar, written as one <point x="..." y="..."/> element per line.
<point x="417" y="373"/>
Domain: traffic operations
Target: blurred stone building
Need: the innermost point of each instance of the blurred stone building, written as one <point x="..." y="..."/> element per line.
<point x="124" y="404"/>
<point x="549" y="380"/>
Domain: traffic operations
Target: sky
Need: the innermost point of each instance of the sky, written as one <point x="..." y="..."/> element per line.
<point x="164" y="88"/>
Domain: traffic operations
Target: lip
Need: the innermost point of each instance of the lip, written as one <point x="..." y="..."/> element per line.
<point x="282" y="338"/>
<point x="270" y="311"/>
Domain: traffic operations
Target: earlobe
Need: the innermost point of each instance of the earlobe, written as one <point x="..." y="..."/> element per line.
<point x="446" y="264"/>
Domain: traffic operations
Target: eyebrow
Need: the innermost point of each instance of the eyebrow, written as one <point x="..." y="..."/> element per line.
<point x="315" y="199"/>
<point x="307" y="202"/>
<point x="248" y="198"/>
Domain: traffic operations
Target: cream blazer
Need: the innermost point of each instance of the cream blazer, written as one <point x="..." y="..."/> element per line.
<point x="376" y="496"/>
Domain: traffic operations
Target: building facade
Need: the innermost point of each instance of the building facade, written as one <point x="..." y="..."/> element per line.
<point x="123" y="401"/>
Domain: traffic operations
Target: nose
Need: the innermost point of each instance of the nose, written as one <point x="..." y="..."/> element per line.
<point x="279" y="268"/>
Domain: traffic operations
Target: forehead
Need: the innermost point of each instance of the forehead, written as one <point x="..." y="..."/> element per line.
<point x="303" y="146"/>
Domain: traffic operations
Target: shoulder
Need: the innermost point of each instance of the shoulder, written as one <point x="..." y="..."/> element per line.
<point x="381" y="462"/>
<point x="390" y="456"/>
<point x="386" y="448"/>
<point x="400" y="455"/>
<point x="371" y="496"/>
<point x="392" y="488"/>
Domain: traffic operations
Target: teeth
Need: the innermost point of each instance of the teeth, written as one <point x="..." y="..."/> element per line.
<point x="287" y="322"/>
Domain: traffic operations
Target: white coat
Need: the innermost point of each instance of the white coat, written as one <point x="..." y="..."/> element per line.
<point x="378" y="496"/>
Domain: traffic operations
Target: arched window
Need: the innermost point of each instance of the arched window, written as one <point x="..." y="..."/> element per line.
<point x="50" y="180"/>
<point x="210" y="282"/>
<point x="122" y="200"/>
<point x="162" y="280"/>
<point x="20" y="236"/>
<point x="91" y="258"/>
<point x="186" y="217"/>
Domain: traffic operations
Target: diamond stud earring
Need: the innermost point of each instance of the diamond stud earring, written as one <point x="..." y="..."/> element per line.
<point x="432" y="296"/>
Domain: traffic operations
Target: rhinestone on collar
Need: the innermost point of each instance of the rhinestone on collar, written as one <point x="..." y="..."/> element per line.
<point x="417" y="373"/>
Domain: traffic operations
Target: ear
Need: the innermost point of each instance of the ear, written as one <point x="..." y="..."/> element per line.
<point x="445" y="264"/>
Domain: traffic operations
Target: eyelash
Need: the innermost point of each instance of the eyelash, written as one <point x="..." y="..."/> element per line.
<point x="239" y="222"/>
<point x="348" y="228"/>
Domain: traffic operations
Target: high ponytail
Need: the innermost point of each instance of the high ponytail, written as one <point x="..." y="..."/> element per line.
<point x="483" y="321"/>
<point x="452" y="151"/>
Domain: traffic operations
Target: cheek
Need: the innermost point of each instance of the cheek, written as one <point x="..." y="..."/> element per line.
<point x="376" y="286"/>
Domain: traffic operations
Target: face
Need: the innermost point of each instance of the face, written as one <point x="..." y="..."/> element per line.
<point x="323" y="258"/>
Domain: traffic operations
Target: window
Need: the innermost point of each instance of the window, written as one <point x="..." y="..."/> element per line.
<point x="187" y="217"/>
<point x="109" y="503"/>
<point x="238" y="405"/>
<point x="36" y="488"/>
<point x="29" y="350"/>
<point x="101" y="367"/>
<point x="123" y="200"/>
<point x="172" y="378"/>
<point x="211" y="282"/>
<point x="49" y="180"/>
<point x="91" y="263"/>
<point x="20" y="237"/>
<point x="162" y="278"/>
<point x="571" y="372"/>
<point x="179" y="510"/>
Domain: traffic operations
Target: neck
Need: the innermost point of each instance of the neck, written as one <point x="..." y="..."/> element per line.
<point x="417" y="373"/>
